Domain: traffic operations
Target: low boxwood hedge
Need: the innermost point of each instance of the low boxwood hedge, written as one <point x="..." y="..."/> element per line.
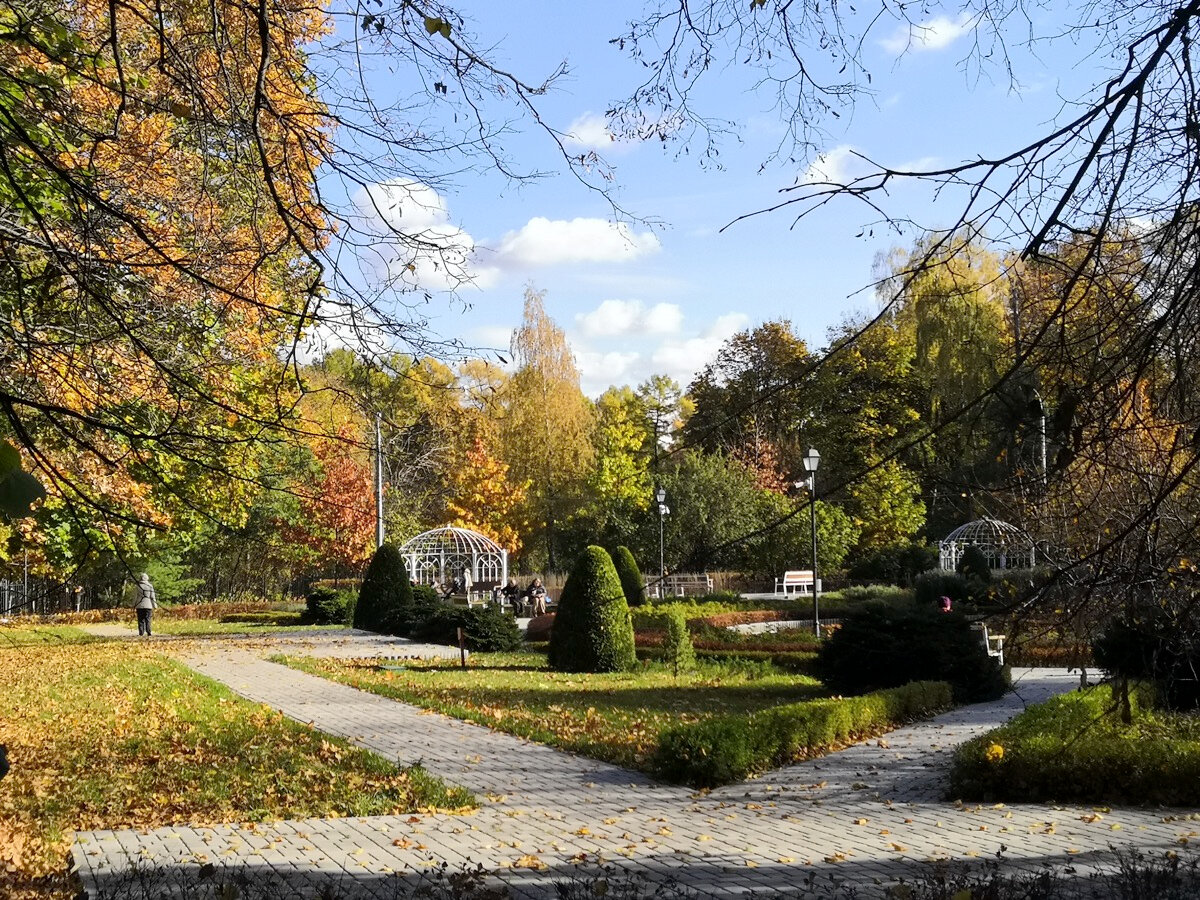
<point x="1074" y="748"/>
<point x="728" y="749"/>
<point x="797" y="662"/>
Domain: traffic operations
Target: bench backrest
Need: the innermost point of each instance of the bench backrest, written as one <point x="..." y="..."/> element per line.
<point x="799" y="576"/>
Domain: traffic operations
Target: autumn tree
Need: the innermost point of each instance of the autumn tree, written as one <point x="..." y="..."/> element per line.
<point x="752" y="392"/>
<point x="485" y="499"/>
<point x="546" y="433"/>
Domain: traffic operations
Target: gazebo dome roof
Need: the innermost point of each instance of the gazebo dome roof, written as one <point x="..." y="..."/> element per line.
<point x="1006" y="546"/>
<point x="987" y="531"/>
<point x="455" y="541"/>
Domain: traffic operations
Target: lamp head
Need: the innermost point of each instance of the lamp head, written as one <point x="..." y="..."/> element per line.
<point x="661" y="496"/>
<point x="811" y="460"/>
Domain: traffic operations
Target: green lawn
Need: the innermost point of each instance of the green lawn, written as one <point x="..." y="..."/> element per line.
<point x="1074" y="748"/>
<point x="614" y="717"/>
<point x="114" y="735"/>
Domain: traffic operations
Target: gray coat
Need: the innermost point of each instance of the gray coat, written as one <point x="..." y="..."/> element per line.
<point x="145" y="594"/>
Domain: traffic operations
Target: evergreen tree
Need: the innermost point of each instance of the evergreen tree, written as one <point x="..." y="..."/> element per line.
<point x="385" y="600"/>
<point x="679" y="653"/>
<point x="632" y="582"/>
<point x="592" y="630"/>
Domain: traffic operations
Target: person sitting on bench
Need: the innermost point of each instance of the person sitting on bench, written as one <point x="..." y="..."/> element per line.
<point x="537" y="596"/>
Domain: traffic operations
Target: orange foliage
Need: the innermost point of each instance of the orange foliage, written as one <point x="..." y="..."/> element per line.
<point x="485" y="500"/>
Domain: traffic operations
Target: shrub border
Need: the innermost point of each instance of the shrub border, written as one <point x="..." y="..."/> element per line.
<point x="732" y="748"/>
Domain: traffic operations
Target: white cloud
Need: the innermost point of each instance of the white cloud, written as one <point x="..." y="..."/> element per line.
<point x="549" y="242"/>
<point x="933" y="34"/>
<point x="494" y="336"/>
<point x="599" y="369"/>
<point x="683" y="358"/>
<point x="677" y="355"/>
<point x="590" y="131"/>
<point x="410" y="242"/>
<point x="840" y="165"/>
<point x="614" y="318"/>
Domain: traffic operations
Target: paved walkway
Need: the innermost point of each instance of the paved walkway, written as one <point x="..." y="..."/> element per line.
<point x="867" y="814"/>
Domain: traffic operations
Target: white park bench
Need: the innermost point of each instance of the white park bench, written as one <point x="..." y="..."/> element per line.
<point x="682" y="585"/>
<point x="798" y="581"/>
<point x="992" y="643"/>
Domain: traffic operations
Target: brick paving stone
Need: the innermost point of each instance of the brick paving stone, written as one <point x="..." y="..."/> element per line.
<point x="869" y="813"/>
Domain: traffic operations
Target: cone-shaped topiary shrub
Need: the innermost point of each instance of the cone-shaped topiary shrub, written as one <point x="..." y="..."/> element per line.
<point x="385" y="600"/>
<point x="678" y="652"/>
<point x="632" y="582"/>
<point x="592" y="630"/>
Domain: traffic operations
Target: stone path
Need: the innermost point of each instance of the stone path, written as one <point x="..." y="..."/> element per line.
<point x="867" y="814"/>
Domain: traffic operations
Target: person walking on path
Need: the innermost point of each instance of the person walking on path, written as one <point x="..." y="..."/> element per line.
<point x="145" y="604"/>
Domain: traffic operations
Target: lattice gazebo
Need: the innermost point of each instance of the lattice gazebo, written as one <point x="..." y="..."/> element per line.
<point x="1005" y="546"/>
<point x="441" y="554"/>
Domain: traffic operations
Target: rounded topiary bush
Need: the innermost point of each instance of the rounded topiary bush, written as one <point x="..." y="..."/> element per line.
<point x="632" y="582"/>
<point x="592" y="629"/>
<point x="930" y="587"/>
<point x="326" y="606"/>
<point x="485" y="629"/>
<point x="385" y="600"/>
<point x="1157" y="647"/>
<point x="973" y="564"/>
<point x="886" y="646"/>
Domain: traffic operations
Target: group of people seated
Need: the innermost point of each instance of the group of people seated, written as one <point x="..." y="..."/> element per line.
<point x="460" y="584"/>
<point x="527" y="601"/>
<point x="530" y="601"/>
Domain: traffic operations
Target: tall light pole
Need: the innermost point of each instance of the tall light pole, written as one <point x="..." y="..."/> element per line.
<point x="811" y="460"/>
<point x="661" y="497"/>
<point x="379" y="536"/>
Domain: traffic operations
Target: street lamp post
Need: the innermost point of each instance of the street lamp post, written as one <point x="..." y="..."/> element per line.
<point x="811" y="460"/>
<point x="661" y="497"/>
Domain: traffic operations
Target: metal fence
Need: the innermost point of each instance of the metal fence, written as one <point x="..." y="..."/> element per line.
<point x="39" y="597"/>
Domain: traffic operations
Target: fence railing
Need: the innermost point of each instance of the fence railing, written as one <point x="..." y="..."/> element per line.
<point x="39" y="597"/>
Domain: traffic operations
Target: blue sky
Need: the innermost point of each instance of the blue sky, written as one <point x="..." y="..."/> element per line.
<point x="637" y="299"/>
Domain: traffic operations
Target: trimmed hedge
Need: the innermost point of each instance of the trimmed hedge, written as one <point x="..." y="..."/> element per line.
<point x="486" y="629"/>
<point x="729" y="749"/>
<point x="592" y="630"/>
<point x="882" y="646"/>
<point x="632" y="582"/>
<point x="1074" y="749"/>
<point x="798" y="663"/>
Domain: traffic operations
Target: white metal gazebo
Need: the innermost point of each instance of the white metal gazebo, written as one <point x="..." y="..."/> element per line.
<point x="1005" y="546"/>
<point x="442" y="553"/>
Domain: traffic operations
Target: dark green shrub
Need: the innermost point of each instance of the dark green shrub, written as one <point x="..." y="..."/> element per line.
<point x="930" y="588"/>
<point x="326" y="606"/>
<point x="896" y="565"/>
<point x="678" y="651"/>
<point x="592" y="629"/>
<point x="731" y="748"/>
<point x="632" y="582"/>
<point x="385" y="600"/>
<point x="1158" y="647"/>
<point x="1074" y="749"/>
<point x="973" y="565"/>
<point x="487" y="629"/>
<point x="885" y="646"/>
